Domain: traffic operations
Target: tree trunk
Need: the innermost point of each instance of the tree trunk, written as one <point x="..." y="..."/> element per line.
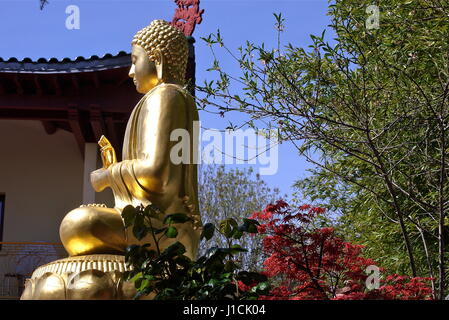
<point x="441" y="198"/>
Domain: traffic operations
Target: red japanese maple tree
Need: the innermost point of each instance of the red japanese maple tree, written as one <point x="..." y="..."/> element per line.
<point x="309" y="261"/>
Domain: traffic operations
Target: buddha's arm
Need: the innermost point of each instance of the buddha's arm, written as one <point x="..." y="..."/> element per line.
<point x="164" y="111"/>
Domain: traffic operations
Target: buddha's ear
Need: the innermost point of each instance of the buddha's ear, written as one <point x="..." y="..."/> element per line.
<point x="160" y="63"/>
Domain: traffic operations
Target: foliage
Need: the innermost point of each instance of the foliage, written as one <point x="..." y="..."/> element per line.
<point x="225" y="194"/>
<point x="309" y="261"/>
<point x="43" y="3"/>
<point x="167" y="274"/>
<point x="371" y="112"/>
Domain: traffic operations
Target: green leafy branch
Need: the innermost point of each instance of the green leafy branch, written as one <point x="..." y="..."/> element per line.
<point x="167" y="274"/>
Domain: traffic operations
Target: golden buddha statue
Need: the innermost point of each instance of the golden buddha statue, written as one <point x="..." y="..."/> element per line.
<point x="146" y="175"/>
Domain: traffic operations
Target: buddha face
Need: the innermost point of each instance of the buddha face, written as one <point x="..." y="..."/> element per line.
<point x="143" y="71"/>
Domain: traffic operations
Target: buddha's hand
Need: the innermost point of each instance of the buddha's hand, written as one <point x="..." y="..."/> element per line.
<point x="100" y="179"/>
<point x="108" y="156"/>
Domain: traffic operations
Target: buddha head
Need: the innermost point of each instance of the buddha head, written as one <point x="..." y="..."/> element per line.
<point x="159" y="55"/>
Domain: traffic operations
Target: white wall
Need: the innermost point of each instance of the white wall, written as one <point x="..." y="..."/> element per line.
<point x="42" y="178"/>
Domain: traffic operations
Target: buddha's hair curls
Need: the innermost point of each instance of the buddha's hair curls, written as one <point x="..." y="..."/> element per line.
<point x="170" y="41"/>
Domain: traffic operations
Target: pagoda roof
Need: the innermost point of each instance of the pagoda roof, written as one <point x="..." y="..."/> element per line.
<point x="86" y="96"/>
<point x="66" y="65"/>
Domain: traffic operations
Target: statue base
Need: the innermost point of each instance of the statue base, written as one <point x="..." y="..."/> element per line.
<point x="90" y="277"/>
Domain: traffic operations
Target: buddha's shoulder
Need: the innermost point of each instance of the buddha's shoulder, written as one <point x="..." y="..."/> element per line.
<point x="169" y="98"/>
<point x="169" y="92"/>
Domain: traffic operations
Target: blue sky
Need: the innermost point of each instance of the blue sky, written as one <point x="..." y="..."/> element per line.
<point x="107" y="26"/>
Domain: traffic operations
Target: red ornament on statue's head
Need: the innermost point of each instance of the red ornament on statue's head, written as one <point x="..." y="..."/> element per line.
<point x="187" y="16"/>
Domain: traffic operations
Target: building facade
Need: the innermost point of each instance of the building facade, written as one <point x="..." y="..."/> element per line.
<point x="52" y="113"/>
